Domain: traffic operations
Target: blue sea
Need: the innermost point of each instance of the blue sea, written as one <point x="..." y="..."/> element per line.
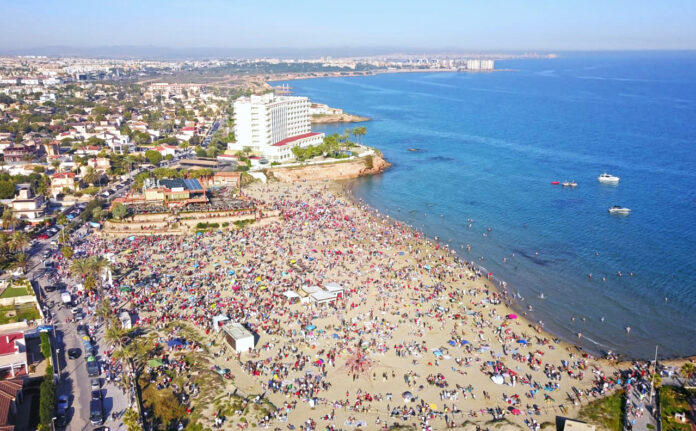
<point x="490" y="144"/>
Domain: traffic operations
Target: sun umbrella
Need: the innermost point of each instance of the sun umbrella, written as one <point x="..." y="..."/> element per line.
<point x="433" y="406"/>
<point x="512" y="316"/>
<point x="310" y="327"/>
<point x="497" y="379"/>
<point x="522" y="341"/>
<point x="407" y="396"/>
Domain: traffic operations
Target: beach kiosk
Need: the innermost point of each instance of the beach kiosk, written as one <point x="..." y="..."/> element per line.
<point x="334" y="288"/>
<point x="125" y="319"/>
<point x="291" y="297"/>
<point x="239" y="337"/>
<point x="322" y="297"/>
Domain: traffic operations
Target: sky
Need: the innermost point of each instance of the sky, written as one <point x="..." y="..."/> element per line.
<point x="429" y="25"/>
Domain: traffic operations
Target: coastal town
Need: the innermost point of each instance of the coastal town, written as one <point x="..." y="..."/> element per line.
<point x="179" y="254"/>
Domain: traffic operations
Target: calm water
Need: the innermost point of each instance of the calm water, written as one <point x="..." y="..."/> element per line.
<point x="491" y="145"/>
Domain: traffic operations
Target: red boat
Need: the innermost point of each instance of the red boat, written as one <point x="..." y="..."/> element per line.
<point x="555" y="183"/>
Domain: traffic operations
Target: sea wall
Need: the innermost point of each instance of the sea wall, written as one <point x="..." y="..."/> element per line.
<point x="369" y="165"/>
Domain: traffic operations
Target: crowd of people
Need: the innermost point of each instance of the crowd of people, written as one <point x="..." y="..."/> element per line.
<point x="409" y="308"/>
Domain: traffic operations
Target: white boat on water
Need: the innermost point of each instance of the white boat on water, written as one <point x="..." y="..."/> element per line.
<point x="619" y="210"/>
<point x="569" y="184"/>
<point x="608" y="179"/>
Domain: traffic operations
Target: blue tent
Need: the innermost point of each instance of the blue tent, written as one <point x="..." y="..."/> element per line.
<point x="175" y="342"/>
<point x="452" y="342"/>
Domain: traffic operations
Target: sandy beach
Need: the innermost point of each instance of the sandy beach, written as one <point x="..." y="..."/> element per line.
<point x="418" y="338"/>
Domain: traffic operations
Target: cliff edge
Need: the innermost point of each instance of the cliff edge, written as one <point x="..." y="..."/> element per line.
<point x="369" y="165"/>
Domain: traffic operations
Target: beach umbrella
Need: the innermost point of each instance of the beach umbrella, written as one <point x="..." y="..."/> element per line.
<point x="451" y="342"/>
<point x="131" y="238"/>
<point x="465" y="342"/>
<point x="335" y="336"/>
<point x="231" y="272"/>
<point x="401" y="253"/>
<point x="433" y="406"/>
<point x="310" y="327"/>
<point x="522" y="341"/>
<point x="514" y="411"/>
<point x="437" y="353"/>
<point x="154" y="363"/>
<point x="497" y="379"/>
<point x="427" y="267"/>
<point x="407" y="396"/>
<point x="512" y="316"/>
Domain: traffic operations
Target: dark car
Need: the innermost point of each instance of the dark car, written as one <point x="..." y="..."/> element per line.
<point x="97" y="395"/>
<point x="74" y="353"/>
<point x="96" y="413"/>
<point x="93" y="369"/>
<point x="61" y="420"/>
<point x="50" y="288"/>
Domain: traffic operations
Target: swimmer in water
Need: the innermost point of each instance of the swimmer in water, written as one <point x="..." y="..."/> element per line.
<point x="572" y="318"/>
<point x="589" y="276"/>
<point x="628" y="330"/>
<point x="601" y="319"/>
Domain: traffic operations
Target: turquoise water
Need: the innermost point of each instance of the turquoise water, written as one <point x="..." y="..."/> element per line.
<point x="491" y="143"/>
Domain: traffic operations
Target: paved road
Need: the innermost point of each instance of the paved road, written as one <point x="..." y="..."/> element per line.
<point x="73" y="379"/>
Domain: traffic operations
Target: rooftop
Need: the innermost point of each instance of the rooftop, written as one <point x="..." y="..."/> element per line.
<point x="295" y="138"/>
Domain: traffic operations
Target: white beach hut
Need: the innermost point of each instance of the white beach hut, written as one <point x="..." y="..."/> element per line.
<point x="239" y="337"/>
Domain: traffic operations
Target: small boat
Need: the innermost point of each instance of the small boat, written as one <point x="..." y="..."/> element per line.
<point x="619" y="210"/>
<point x="608" y="179"/>
<point x="555" y="183"/>
<point x="569" y="184"/>
<point x="414" y="150"/>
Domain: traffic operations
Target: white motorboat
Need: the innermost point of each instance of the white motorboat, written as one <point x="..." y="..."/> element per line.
<point x="569" y="184"/>
<point x="608" y="179"/>
<point x="619" y="210"/>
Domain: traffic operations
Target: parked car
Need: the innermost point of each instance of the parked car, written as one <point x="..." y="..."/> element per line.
<point x="96" y="412"/>
<point x="74" y="353"/>
<point x="62" y="405"/>
<point x="50" y="288"/>
<point x="95" y="383"/>
<point x="97" y="394"/>
<point x="93" y="369"/>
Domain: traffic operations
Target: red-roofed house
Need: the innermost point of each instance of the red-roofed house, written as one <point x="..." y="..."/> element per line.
<point x="167" y="149"/>
<point x="61" y="180"/>
<point x="13" y="353"/>
<point x="10" y="397"/>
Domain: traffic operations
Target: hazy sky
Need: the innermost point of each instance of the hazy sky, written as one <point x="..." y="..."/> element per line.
<point x="427" y="24"/>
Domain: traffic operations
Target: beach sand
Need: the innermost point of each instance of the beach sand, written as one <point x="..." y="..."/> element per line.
<point x="412" y="319"/>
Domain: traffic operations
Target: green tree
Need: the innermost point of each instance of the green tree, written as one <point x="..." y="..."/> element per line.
<point x="19" y="241"/>
<point x="132" y="420"/>
<point x="45" y="346"/>
<point x="47" y="400"/>
<point x="687" y="370"/>
<point x="67" y="252"/>
<point x="7" y="189"/>
<point x="21" y="261"/>
<point x="119" y="211"/>
<point x="97" y="214"/>
<point x="90" y="283"/>
<point x="91" y="176"/>
<point x="154" y="157"/>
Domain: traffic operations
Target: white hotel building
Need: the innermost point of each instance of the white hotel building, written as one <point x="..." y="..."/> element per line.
<point x="272" y="125"/>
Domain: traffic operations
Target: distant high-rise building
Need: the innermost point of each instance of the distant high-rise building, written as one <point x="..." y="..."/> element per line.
<point x="272" y="125"/>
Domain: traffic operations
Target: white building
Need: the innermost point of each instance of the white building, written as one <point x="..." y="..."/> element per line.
<point x="238" y="337"/>
<point x="272" y="125"/>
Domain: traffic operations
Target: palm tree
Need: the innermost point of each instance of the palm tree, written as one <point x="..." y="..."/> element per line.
<point x="80" y="267"/>
<point x="688" y="370"/>
<point x="97" y="265"/>
<point x="9" y="219"/>
<point x="91" y="176"/>
<point x="657" y="380"/>
<point x="359" y="132"/>
<point x="114" y="336"/>
<point x="19" y="241"/>
<point x="21" y="261"/>
<point x="105" y="311"/>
